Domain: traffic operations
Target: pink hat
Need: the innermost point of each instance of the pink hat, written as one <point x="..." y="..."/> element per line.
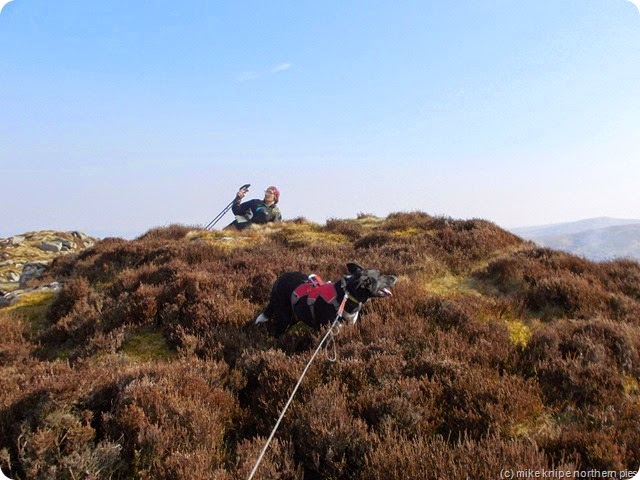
<point x="276" y="192"/>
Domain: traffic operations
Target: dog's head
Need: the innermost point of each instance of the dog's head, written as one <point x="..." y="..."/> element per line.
<point x="364" y="284"/>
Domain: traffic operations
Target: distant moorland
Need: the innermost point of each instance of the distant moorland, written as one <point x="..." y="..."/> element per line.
<point x="595" y="239"/>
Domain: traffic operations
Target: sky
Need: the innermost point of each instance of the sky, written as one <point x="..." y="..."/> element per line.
<point x="120" y="116"/>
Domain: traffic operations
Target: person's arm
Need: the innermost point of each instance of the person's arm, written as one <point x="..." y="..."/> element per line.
<point x="240" y="208"/>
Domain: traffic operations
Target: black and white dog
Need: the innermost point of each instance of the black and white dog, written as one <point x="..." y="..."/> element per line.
<point x="299" y="297"/>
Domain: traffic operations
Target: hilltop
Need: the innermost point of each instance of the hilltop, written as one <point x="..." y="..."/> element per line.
<point x="493" y="353"/>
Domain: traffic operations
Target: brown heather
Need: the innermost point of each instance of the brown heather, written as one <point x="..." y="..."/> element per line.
<point x="491" y="354"/>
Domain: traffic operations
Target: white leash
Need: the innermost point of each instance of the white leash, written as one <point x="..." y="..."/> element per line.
<point x="295" y="389"/>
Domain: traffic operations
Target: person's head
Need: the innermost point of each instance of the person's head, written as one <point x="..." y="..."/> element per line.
<point x="271" y="195"/>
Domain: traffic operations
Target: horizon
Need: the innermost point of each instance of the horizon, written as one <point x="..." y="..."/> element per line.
<point x="123" y="116"/>
<point x="526" y="231"/>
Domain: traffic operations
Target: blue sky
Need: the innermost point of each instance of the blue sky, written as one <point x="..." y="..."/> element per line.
<point x="117" y="116"/>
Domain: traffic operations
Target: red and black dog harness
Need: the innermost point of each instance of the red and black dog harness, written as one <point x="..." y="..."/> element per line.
<point x="315" y="288"/>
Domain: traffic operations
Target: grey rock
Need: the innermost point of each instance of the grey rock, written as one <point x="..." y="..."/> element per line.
<point x="51" y="246"/>
<point x="16" y="240"/>
<point x="6" y="263"/>
<point x="9" y="298"/>
<point x="81" y="236"/>
<point x="66" y="244"/>
<point x="32" y="270"/>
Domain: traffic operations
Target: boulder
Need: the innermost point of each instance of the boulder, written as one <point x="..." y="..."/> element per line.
<point x="9" y="298"/>
<point x="32" y="270"/>
<point x="15" y="240"/>
<point x="80" y="235"/>
<point x="51" y="246"/>
<point x="66" y="244"/>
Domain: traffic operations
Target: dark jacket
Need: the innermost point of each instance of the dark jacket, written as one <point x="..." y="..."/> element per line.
<point x="254" y="211"/>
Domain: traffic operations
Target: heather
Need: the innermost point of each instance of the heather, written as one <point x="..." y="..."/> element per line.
<point x="493" y="353"/>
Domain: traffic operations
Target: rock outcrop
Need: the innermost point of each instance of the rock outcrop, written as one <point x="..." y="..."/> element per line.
<point x="26" y="256"/>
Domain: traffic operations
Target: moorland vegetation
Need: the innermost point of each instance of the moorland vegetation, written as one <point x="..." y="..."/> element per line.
<point x="493" y="353"/>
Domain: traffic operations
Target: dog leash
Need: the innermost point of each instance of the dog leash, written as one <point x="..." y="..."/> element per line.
<point x="334" y="330"/>
<point x="333" y="333"/>
<point x="295" y="389"/>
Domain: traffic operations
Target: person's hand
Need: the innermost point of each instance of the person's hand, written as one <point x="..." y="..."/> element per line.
<point x="241" y="193"/>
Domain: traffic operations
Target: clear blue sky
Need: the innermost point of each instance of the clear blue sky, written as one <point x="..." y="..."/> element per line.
<point x="119" y="116"/>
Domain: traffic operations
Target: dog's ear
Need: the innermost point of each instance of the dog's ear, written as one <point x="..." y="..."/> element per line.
<point x="353" y="268"/>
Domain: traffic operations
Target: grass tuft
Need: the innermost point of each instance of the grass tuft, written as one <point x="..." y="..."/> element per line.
<point x="519" y="333"/>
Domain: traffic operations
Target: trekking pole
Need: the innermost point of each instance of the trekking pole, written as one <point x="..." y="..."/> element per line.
<point x="225" y="209"/>
<point x="218" y="217"/>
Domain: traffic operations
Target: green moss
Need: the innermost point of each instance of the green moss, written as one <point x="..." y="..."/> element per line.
<point x="407" y="232"/>
<point x="225" y="241"/>
<point x="147" y="344"/>
<point x="33" y="308"/>
<point x="299" y="235"/>
<point x="448" y="283"/>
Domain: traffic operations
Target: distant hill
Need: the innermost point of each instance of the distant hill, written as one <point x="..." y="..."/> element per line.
<point x="597" y="239"/>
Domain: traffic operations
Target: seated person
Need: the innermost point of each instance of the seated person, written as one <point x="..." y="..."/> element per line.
<point x="256" y="210"/>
